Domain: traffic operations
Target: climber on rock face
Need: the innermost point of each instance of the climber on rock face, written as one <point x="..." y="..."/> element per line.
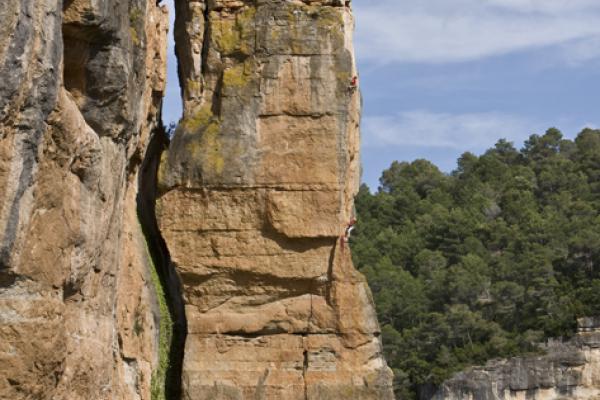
<point x="349" y="229"/>
<point x="353" y="84"/>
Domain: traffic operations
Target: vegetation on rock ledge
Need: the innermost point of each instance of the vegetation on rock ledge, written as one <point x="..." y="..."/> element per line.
<point x="484" y="262"/>
<point x="165" y="335"/>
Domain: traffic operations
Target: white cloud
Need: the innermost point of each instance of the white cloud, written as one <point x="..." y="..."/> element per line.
<point x="436" y="31"/>
<point x="469" y="131"/>
<point x="581" y="51"/>
<point x="545" y="6"/>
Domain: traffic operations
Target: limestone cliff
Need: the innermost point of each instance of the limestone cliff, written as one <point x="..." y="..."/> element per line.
<point x="256" y="189"/>
<point x="80" y="94"/>
<point x="569" y="370"/>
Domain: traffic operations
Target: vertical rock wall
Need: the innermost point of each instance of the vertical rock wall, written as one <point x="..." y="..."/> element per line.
<point x="80" y="92"/>
<point x="255" y="191"/>
<point x="256" y="188"/>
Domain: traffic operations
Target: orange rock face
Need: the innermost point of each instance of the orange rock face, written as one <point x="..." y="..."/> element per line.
<point x="256" y="189"/>
<point x="78" y="104"/>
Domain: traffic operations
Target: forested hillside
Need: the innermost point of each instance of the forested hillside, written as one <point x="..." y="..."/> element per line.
<point x="485" y="262"/>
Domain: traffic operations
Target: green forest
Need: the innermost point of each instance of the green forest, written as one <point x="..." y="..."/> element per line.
<point x="486" y="261"/>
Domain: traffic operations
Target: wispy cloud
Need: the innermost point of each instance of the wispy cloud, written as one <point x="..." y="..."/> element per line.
<point x="436" y="31"/>
<point x="470" y="131"/>
<point x="545" y="6"/>
<point x="581" y="51"/>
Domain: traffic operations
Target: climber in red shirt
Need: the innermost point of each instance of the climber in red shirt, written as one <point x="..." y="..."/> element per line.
<point x="353" y="84"/>
<point x="349" y="229"/>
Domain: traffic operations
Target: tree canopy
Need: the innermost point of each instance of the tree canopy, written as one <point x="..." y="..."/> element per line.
<point x="484" y="262"/>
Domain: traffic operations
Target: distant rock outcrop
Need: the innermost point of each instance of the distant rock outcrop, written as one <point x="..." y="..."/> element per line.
<point x="569" y="370"/>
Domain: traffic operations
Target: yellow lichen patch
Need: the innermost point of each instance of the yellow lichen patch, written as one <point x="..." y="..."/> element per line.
<point x="225" y="36"/>
<point x="294" y="10"/>
<point x="237" y="76"/>
<point x="207" y="146"/>
<point x="231" y="35"/>
<point x="331" y="20"/>
<point x="296" y="37"/>
<point x="207" y="149"/>
<point x="244" y="24"/>
<point x="274" y="34"/>
<point x="136" y="16"/>
<point x="245" y="18"/>
<point x="343" y="76"/>
<point x="161" y="178"/>
<point x="199" y="119"/>
<point x="330" y="17"/>
<point x="211" y="145"/>
<point x="328" y="21"/>
<point x="134" y="36"/>
<point x="193" y="87"/>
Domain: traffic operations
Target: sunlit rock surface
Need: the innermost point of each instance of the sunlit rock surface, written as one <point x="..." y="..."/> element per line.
<point x="256" y="189"/>
<point x="80" y="90"/>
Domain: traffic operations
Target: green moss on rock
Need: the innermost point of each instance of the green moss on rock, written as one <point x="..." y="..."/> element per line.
<point x="235" y="34"/>
<point x="161" y="178"/>
<point x="205" y="145"/>
<point x="165" y="334"/>
<point x="136" y="19"/>
<point x="239" y="76"/>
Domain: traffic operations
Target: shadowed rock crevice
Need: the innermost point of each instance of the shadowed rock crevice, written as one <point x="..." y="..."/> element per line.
<point x="162" y="261"/>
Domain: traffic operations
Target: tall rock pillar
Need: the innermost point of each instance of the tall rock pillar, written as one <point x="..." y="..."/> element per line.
<point x="256" y="189"/>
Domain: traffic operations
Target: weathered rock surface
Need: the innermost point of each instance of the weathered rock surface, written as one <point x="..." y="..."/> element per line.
<point x="569" y="370"/>
<point x="257" y="187"/>
<point x="256" y="190"/>
<point x="80" y="93"/>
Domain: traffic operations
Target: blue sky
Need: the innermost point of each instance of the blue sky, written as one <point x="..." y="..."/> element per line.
<point x="440" y="77"/>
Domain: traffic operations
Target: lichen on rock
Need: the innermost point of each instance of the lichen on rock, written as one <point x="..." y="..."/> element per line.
<point x="79" y="100"/>
<point x="253" y="193"/>
<point x="257" y="188"/>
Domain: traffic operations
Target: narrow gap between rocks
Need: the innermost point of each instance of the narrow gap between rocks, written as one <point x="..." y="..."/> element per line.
<point x="167" y="378"/>
<point x="167" y="381"/>
<point x="171" y="353"/>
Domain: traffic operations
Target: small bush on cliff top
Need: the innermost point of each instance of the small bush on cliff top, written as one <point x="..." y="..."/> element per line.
<point x="486" y="261"/>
